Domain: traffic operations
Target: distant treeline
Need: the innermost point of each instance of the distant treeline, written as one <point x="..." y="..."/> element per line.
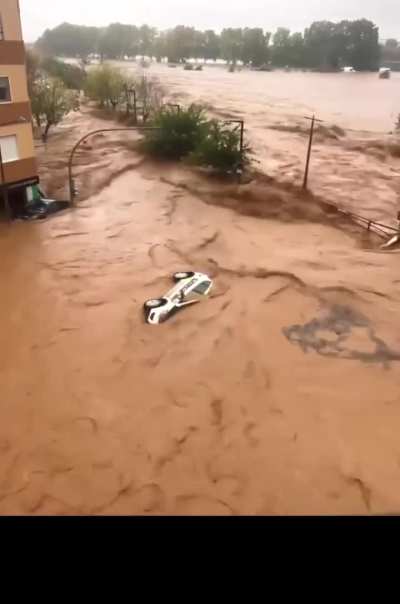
<point x="324" y="45"/>
<point x="391" y="54"/>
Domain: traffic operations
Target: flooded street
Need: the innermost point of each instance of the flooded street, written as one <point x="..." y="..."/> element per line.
<point x="353" y="163"/>
<point x="278" y="395"/>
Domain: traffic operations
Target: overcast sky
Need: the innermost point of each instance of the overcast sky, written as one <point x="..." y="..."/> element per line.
<point x="38" y="15"/>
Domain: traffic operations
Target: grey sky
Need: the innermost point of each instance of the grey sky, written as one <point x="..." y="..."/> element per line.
<point x="214" y="14"/>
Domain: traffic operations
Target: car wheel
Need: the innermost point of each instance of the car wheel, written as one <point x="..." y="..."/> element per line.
<point x="183" y="275"/>
<point x="156" y="303"/>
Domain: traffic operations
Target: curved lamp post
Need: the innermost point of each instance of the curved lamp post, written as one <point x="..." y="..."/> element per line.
<point x="72" y="192"/>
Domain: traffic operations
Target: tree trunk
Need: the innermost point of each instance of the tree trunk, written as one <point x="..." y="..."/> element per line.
<point x="45" y="134"/>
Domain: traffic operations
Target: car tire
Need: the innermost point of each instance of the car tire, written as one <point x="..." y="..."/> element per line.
<point x="156" y="303"/>
<point x="183" y="275"/>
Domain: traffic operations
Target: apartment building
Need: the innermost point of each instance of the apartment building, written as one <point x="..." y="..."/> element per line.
<point x="18" y="168"/>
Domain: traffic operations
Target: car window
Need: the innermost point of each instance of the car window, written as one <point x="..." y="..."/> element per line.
<point x="202" y="287"/>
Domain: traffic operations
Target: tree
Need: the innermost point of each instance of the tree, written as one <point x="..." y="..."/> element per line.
<point x="390" y="52"/>
<point x="68" y="40"/>
<point x="147" y="36"/>
<point x="160" y="46"/>
<point x="118" y="40"/>
<point x="232" y="45"/>
<point x="106" y="84"/>
<point x="51" y="101"/>
<point x="363" y="50"/>
<point x="212" y="45"/>
<point x="181" y="43"/>
<point x="324" y="46"/>
<point x="296" y="50"/>
<point x="255" y="46"/>
<point x="281" y="47"/>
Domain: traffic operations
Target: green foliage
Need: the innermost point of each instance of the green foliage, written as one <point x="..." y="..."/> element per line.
<point x="324" y="45"/>
<point x="232" y="44"/>
<point x="220" y="149"/>
<point x="105" y="84"/>
<point x="111" y="88"/>
<point x="187" y="133"/>
<point x="51" y="101"/>
<point x="177" y="134"/>
<point x="255" y="46"/>
<point x="68" y="40"/>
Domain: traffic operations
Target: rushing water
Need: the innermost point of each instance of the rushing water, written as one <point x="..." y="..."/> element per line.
<point x="359" y="101"/>
<point x="277" y="395"/>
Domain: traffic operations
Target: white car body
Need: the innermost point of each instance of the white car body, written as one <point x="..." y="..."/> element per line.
<point x="188" y="290"/>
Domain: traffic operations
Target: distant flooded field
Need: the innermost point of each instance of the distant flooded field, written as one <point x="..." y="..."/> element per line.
<point x="361" y="100"/>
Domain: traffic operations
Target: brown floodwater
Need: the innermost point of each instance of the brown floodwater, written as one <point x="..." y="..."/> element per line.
<point x="278" y="395"/>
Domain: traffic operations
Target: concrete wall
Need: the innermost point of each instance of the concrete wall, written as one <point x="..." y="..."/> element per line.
<point x="23" y="132"/>
<point x="10" y="15"/>
<point x="18" y="83"/>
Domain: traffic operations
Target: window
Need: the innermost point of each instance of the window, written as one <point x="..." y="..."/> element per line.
<point x="203" y="287"/>
<point x="9" y="148"/>
<point x="5" y="93"/>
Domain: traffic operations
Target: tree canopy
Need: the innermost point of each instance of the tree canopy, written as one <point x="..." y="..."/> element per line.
<point x="323" y="45"/>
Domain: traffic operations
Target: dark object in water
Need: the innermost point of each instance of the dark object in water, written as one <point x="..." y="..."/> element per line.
<point x="385" y="73"/>
<point x="198" y="68"/>
<point x="188" y="67"/>
<point x="263" y="67"/>
<point x="41" y="208"/>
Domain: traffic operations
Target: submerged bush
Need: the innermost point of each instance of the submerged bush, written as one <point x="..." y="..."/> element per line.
<point x="177" y="134"/>
<point x="187" y="133"/>
<point x="220" y="149"/>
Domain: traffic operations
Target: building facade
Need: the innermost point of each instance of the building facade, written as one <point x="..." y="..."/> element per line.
<point x="18" y="168"/>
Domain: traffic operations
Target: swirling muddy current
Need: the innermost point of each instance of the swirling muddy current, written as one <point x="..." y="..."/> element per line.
<point x="277" y="395"/>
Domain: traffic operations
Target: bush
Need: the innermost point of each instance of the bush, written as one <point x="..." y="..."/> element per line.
<point x="220" y="149"/>
<point x="150" y="96"/>
<point x="105" y="85"/>
<point x="178" y="133"/>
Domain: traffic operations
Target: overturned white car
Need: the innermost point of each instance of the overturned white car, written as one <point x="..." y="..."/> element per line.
<point x="190" y="288"/>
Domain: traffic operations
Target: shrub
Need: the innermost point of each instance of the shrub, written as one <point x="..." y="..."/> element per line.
<point x="150" y="96"/>
<point x="105" y="85"/>
<point x="178" y="133"/>
<point x="220" y="149"/>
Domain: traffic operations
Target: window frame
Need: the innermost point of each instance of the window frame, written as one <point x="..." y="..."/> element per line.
<point x="6" y="77"/>
<point x="9" y="161"/>
<point x="202" y="283"/>
<point x="2" y="33"/>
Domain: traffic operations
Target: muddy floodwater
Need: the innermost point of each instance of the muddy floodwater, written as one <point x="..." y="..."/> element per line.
<point x="277" y="395"/>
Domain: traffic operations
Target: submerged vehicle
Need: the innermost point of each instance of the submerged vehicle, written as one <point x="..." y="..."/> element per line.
<point x="385" y="73"/>
<point x="190" y="288"/>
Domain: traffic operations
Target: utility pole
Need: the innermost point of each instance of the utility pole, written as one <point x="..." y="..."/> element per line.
<point x="310" y="143"/>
